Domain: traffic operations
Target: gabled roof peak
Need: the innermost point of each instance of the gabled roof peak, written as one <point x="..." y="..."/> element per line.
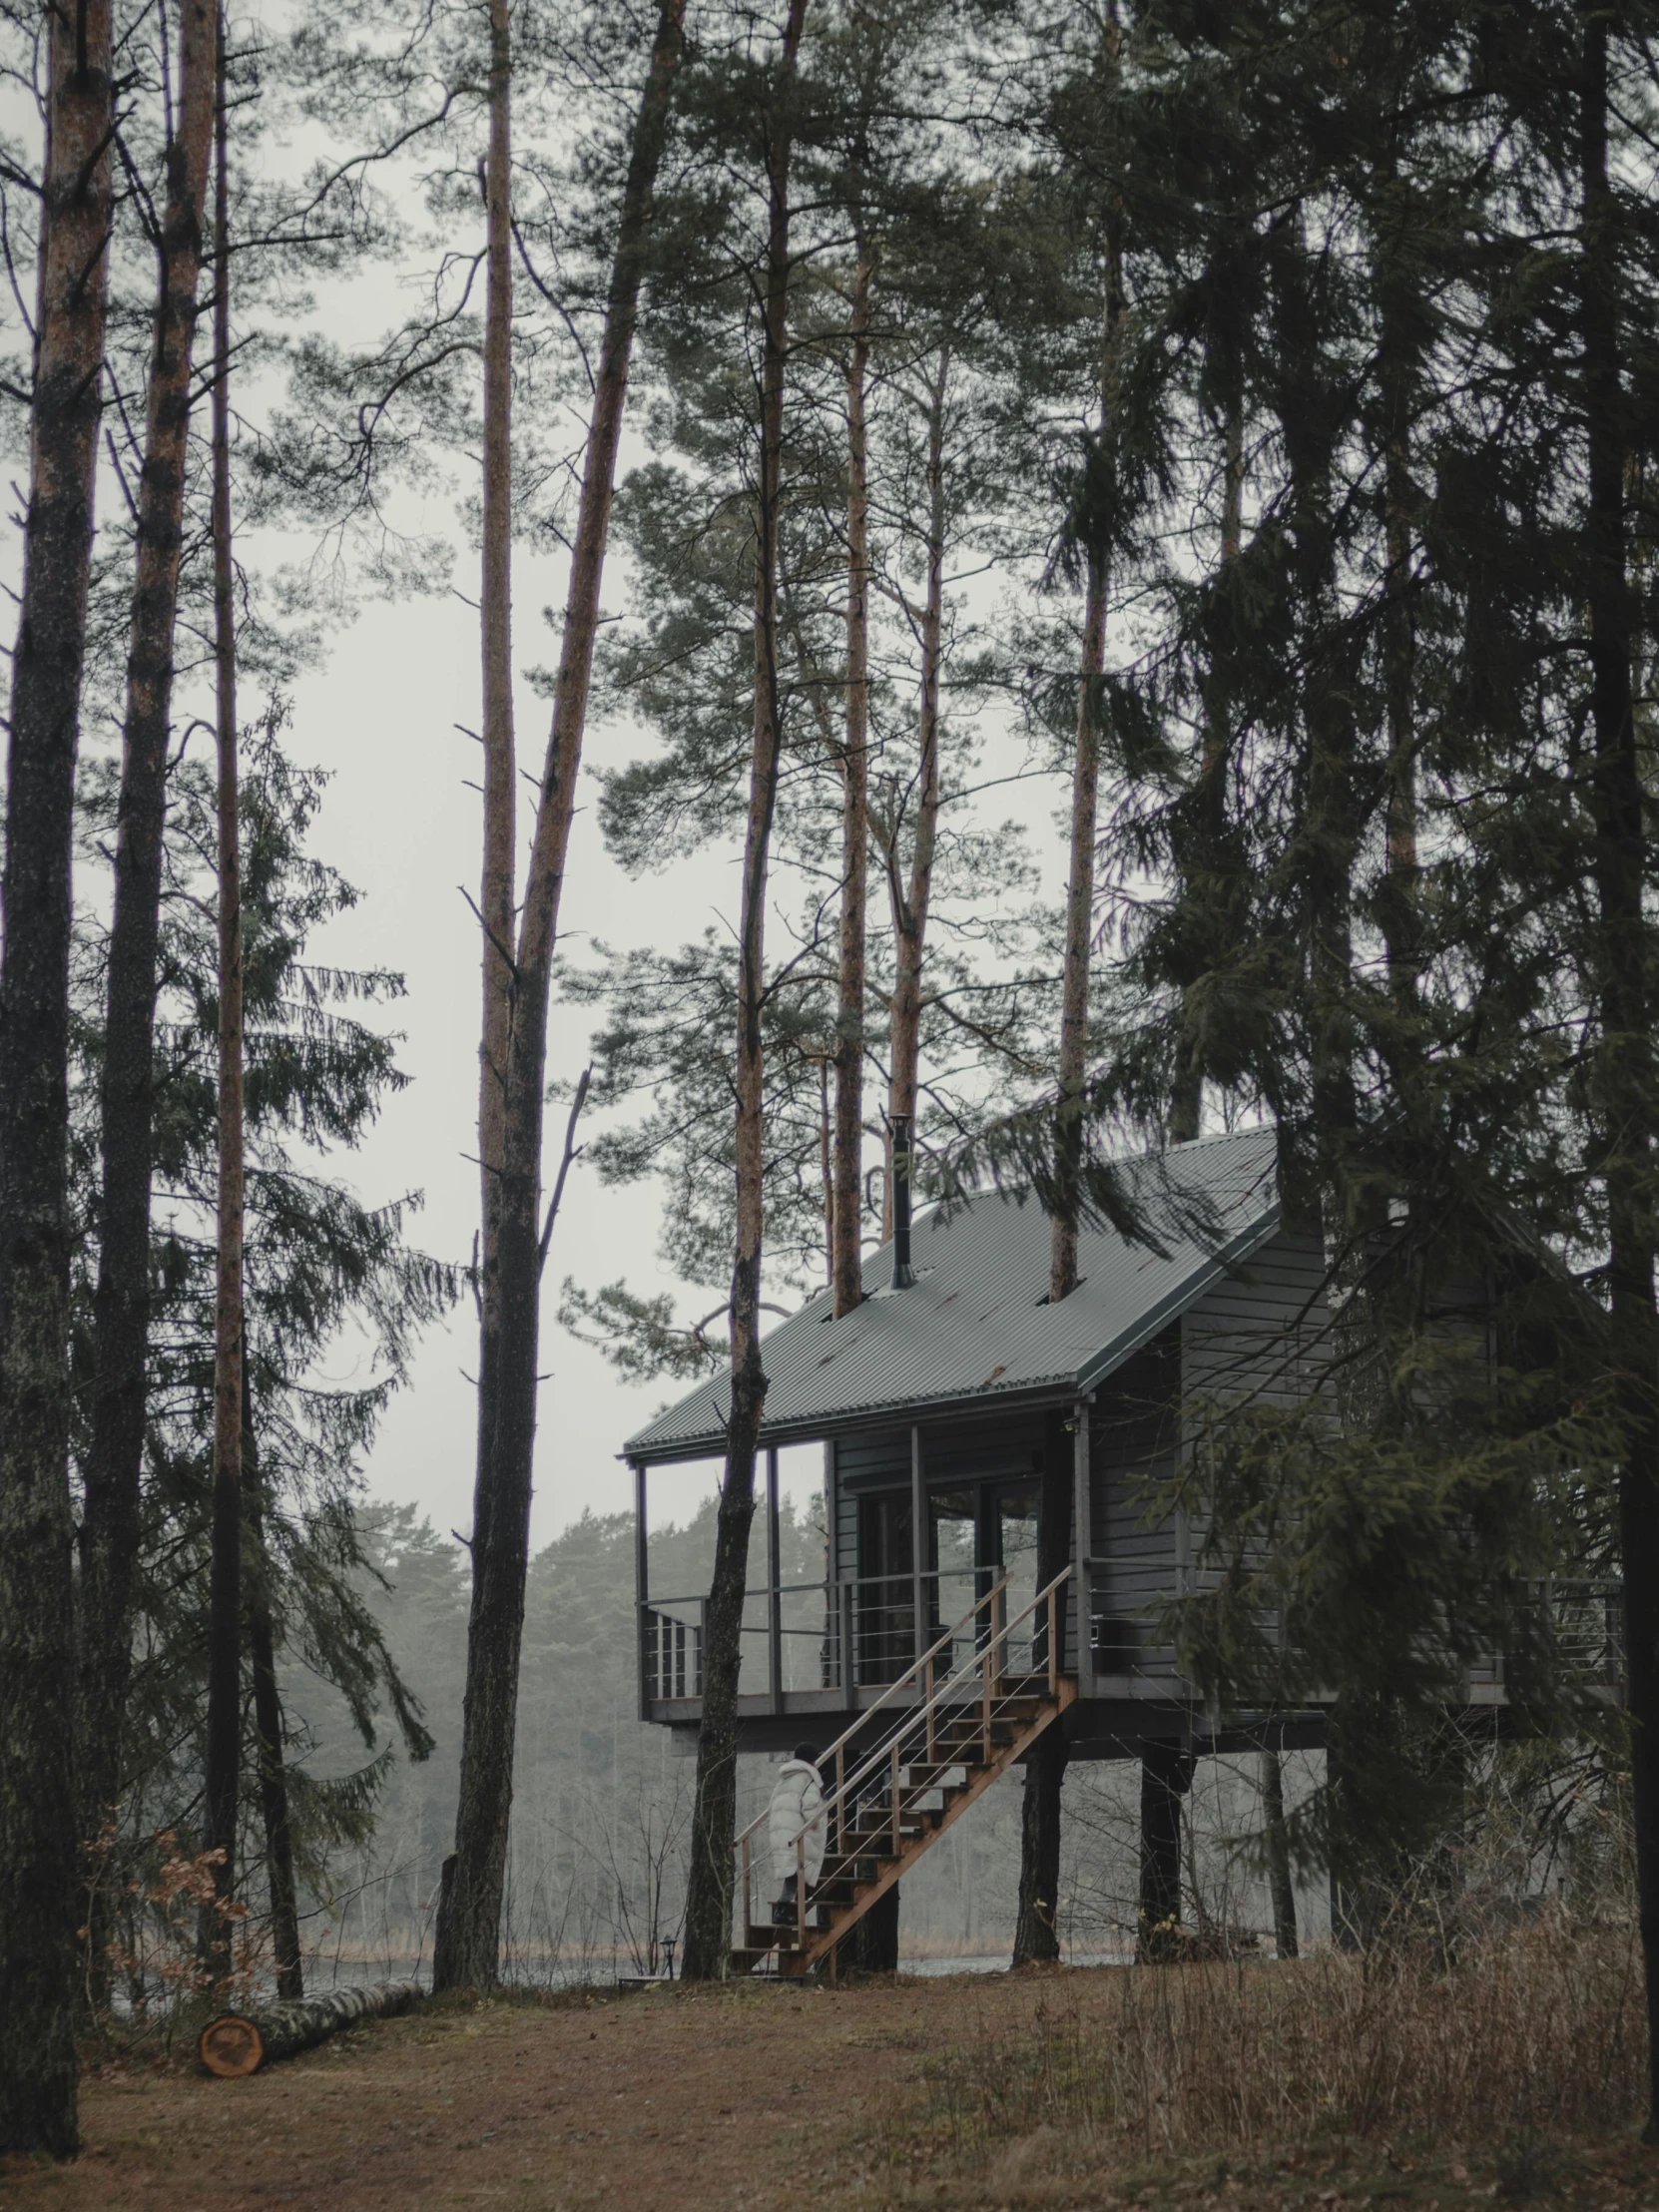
<point x="977" y="1324"/>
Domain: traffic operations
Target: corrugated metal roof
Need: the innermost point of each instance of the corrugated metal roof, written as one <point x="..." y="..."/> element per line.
<point x="976" y="1325"/>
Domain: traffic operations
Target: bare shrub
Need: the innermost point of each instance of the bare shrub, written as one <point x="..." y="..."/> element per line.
<point x="1528" y="2030"/>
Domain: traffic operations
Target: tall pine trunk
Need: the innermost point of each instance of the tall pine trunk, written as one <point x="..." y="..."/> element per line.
<point x="467" y="1952"/>
<point x="909" y="899"/>
<point x="224" y="1746"/>
<point x="845" y="1217"/>
<point x="1202" y="862"/>
<point x="714" y="1820"/>
<point x="1281" y="1888"/>
<point x="38" y="1903"/>
<point x="1624" y="1071"/>
<point x="267" y="1723"/>
<point x="498" y="1561"/>
<point x="109" y="1537"/>
<point x="1036" y="1929"/>
<point x="1037" y="1923"/>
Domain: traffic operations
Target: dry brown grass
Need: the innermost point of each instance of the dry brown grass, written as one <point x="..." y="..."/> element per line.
<point x="1519" y="2037"/>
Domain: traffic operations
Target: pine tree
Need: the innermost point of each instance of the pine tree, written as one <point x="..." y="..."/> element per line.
<point x="516" y="1087"/>
<point x="38" y="2106"/>
<point x="110" y="1515"/>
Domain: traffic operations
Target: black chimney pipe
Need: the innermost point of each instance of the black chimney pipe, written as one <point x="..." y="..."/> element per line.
<point x="903" y="1274"/>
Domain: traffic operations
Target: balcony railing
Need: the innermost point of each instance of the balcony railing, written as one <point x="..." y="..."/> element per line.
<point x="843" y="1637"/>
<point x="860" y="1635"/>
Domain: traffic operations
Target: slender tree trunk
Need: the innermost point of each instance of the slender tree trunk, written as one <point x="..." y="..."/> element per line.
<point x="1280" y="1887"/>
<point x="1400" y="652"/>
<point x="467" y="1952"/>
<point x="846" y="1260"/>
<point x="496" y="904"/>
<point x="1037" y="1925"/>
<point x="1074" y="1001"/>
<point x="826" y="1170"/>
<point x="224" y="1745"/>
<point x="871" y="1945"/>
<point x="1330" y="829"/>
<point x="1625" y="1073"/>
<point x="38" y="1904"/>
<point x="1166" y="1777"/>
<point x="909" y="901"/>
<point x="496" y="1619"/>
<point x="709" y="1889"/>
<point x="1036" y="1934"/>
<point x="1186" y="1118"/>
<point x="268" y="1724"/>
<point x="109" y="1537"/>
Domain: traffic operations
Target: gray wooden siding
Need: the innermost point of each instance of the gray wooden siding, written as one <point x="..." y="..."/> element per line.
<point x="989" y="1448"/>
<point x="1259" y="1334"/>
<point x="1132" y="1443"/>
<point x="1259" y="1330"/>
<point x="1255" y="1333"/>
<point x="873" y="1462"/>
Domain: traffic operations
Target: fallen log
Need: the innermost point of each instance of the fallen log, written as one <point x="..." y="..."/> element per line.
<point x="237" y="2043"/>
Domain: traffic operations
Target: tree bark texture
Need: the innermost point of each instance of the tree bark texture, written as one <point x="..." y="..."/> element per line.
<point x="496" y="901"/>
<point x="1045" y="1767"/>
<point x="1085" y="793"/>
<point x="267" y="1725"/>
<point x="109" y="1536"/>
<point x="469" y="1932"/>
<point x="1400" y="904"/>
<point x="1037" y="1925"/>
<point x="238" y="2043"/>
<point x="38" y="1806"/>
<point x="491" y="1697"/>
<point x="707" y="1953"/>
<point x="1329" y="834"/>
<point x="847" y="1207"/>
<point x="1280" y="1886"/>
<point x="910" y="899"/>
<point x="1166" y="1777"/>
<point x="1625" y="1073"/>
<point x="222" y="1766"/>
<point x="871" y="1945"/>
<point x="1186" y="1118"/>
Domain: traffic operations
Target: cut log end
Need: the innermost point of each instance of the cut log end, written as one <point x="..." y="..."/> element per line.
<point x="232" y="2046"/>
<point x="237" y="2043"/>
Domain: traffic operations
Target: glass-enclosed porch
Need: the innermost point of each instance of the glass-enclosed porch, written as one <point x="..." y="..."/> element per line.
<point x="910" y="1529"/>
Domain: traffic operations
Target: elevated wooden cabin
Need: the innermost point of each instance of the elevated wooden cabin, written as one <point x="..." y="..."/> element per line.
<point x="953" y="1407"/>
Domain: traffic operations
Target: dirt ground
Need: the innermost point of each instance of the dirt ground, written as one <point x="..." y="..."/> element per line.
<point x="686" y="2101"/>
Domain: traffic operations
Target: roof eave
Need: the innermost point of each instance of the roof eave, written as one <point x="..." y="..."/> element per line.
<point x="1090" y="1377"/>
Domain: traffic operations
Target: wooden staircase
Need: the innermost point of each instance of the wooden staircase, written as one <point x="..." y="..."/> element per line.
<point x="945" y="1735"/>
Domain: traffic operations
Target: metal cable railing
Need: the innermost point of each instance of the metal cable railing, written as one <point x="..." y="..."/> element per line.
<point x="955" y="1708"/>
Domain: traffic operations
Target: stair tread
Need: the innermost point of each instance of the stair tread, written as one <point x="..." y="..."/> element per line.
<point x="844" y="1890"/>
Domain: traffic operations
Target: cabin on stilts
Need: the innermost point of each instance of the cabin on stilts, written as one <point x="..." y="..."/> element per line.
<point x="996" y="1559"/>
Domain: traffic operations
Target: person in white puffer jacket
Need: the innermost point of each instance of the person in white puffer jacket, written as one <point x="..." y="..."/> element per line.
<point x="797" y="1804"/>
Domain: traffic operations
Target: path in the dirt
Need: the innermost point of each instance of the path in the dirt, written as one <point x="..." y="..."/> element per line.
<point x="684" y="2099"/>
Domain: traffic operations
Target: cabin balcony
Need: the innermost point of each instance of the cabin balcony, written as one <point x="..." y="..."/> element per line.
<point x="818" y="1650"/>
<point x="814" y="1656"/>
<point x="972" y="1429"/>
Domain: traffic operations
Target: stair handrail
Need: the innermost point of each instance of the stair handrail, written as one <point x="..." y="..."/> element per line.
<point x="837" y="1751"/>
<point x="886" y="1750"/>
<point x="939" y="1695"/>
<point x="948" y="1637"/>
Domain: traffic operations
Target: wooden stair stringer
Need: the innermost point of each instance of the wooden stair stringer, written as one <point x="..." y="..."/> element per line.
<point x="845" y="1916"/>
